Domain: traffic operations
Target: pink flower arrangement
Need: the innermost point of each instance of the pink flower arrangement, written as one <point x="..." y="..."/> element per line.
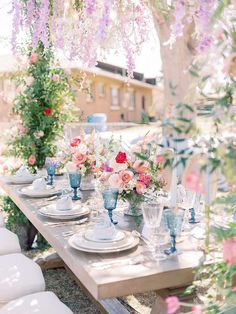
<point x="229" y="251"/>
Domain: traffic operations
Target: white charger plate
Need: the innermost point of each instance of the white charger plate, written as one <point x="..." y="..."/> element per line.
<point x="119" y="236"/>
<point x="49" y="191"/>
<point x="78" y="242"/>
<point x="53" y="211"/>
<point x="82" y="213"/>
<point x="21" y="179"/>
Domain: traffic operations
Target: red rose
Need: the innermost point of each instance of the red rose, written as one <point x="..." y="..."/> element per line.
<point x="47" y="111"/>
<point x="121" y="158"/>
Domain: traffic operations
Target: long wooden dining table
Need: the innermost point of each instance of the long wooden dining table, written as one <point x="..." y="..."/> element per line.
<point x="107" y="276"/>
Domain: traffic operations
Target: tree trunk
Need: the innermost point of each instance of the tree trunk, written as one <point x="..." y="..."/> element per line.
<point x="179" y="84"/>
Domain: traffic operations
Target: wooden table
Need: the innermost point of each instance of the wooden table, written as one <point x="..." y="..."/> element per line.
<point x="108" y="275"/>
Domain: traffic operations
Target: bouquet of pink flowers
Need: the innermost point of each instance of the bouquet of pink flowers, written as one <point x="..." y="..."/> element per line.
<point x="133" y="178"/>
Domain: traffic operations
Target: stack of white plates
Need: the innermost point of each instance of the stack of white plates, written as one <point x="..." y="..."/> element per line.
<point x="52" y="212"/>
<point x="31" y="192"/>
<point x="86" y="242"/>
<point x="15" y="179"/>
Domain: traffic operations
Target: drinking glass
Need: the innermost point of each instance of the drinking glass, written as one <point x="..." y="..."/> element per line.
<point x="110" y="197"/>
<point x="152" y="214"/>
<point x="51" y="169"/>
<point x="75" y="180"/>
<point x="174" y="220"/>
<point x="191" y="202"/>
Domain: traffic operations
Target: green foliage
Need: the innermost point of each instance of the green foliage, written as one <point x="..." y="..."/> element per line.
<point x="43" y="107"/>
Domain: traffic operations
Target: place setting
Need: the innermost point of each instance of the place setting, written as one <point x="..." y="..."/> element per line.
<point x="22" y="176"/>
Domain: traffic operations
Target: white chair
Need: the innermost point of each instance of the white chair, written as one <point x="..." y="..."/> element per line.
<point x="19" y="276"/>
<point x="39" y="303"/>
<point x="9" y="242"/>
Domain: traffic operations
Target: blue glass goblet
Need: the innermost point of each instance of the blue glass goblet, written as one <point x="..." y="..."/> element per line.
<point x="75" y="180"/>
<point x="110" y="197"/>
<point x="51" y="169"/>
<point x="174" y="221"/>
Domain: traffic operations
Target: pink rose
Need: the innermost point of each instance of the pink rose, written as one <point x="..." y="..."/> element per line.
<point x="197" y="309"/>
<point x="172" y="304"/>
<point x="145" y="178"/>
<point x="229" y="251"/>
<point x="33" y="58"/>
<point x="55" y="77"/>
<point x="79" y="158"/>
<point x="5" y="167"/>
<point x="126" y="176"/>
<point x="115" y="181"/>
<point x="140" y="187"/>
<point x="31" y="160"/>
<point x="141" y="166"/>
<point x="193" y="181"/>
<point x="75" y="142"/>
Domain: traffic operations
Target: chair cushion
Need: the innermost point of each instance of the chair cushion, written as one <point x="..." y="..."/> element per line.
<point x="9" y="242"/>
<point x="19" y="276"/>
<point x="39" y="303"/>
<point x="1" y="220"/>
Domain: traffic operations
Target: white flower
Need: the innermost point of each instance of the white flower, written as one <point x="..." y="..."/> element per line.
<point x="117" y="167"/>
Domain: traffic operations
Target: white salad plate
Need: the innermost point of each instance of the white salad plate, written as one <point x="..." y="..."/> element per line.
<point x="79" y="242"/>
<point x="49" y="191"/>
<point x="119" y="236"/>
<point x="51" y="212"/>
<point x="15" y="179"/>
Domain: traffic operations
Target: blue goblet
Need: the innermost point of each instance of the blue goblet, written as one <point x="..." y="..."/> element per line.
<point x="174" y="221"/>
<point x="110" y="197"/>
<point x="51" y="169"/>
<point x="75" y="179"/>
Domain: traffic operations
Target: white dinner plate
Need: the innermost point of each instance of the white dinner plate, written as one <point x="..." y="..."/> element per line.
<point x="78" y="242"/>
<point x="21" y="179"/>
<point x="49" y="191"/>
<point x="51" y="210"/>
<point x="119" y="236"/>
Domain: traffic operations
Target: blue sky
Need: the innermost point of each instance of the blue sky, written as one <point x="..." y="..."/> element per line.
<point x="148" y="62"/>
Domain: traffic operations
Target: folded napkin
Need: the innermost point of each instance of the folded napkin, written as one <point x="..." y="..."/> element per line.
<point x="64" y="203"/>
<point x="39" y="185"/>
<point x="104" y="229"/>
<point x="23" y="172"/>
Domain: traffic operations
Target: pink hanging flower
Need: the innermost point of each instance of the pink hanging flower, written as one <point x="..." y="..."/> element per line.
<point x="197" y="309"/>
<point x="194" y="182"/>
<point x="33" y="58"/>
<point x="126" y="176"/>
<point x="172" y="305"/>
<point x="141" y="166"/>
<point x="31" y="160"/>
<point x="229" y="251"/>
<point x="140" y="187"/>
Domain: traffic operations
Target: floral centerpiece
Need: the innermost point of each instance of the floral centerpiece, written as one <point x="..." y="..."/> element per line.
<point x="135" y="179"/>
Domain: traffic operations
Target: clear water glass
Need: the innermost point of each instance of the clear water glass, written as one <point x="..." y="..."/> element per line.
<point x="110" y="197"/>
<point x="75" y="180"/>
<point x="152" y="213"/>
<point x="174" y="221"/>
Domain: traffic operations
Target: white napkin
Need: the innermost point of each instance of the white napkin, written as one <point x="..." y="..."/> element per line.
<point x="64" y="203"/>
<point x="23" y="172"/>
<point x="104" y="229"/>
<point x="39" y="185"/>
<point x="181" y="193"/>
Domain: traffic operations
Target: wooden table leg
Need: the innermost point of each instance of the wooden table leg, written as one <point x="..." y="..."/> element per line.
<point x="159" y="306"/>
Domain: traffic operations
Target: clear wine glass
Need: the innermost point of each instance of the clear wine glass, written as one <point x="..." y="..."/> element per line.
<point x="152" y="213"/>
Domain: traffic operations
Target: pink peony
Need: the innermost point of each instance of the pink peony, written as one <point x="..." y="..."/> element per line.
<point x="141" y="166"/>
<point x="31" y="160"/>
<point x="193" y="181"/>
<point x="55" y="77"/>
<point x="172" y="304"/>
<point x="115" y="181"/>
<point x="229" y="251"/>
<point x="33" y="58"/>
<point x="145" y="178"/>
<point x="126" y="176"/>
<point x="197" y="309"/>
<point x="75" y="142"/>
<point x="140" y="187"/>
<point x="79" y="158"/>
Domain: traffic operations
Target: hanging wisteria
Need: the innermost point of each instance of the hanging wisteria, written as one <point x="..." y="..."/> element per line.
<point x="87" y="25"/>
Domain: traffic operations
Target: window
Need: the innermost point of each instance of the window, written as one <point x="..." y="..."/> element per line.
<point x="115" y="97"/>
<point x="90" y="97"/>
<point x="101" y="89"/>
